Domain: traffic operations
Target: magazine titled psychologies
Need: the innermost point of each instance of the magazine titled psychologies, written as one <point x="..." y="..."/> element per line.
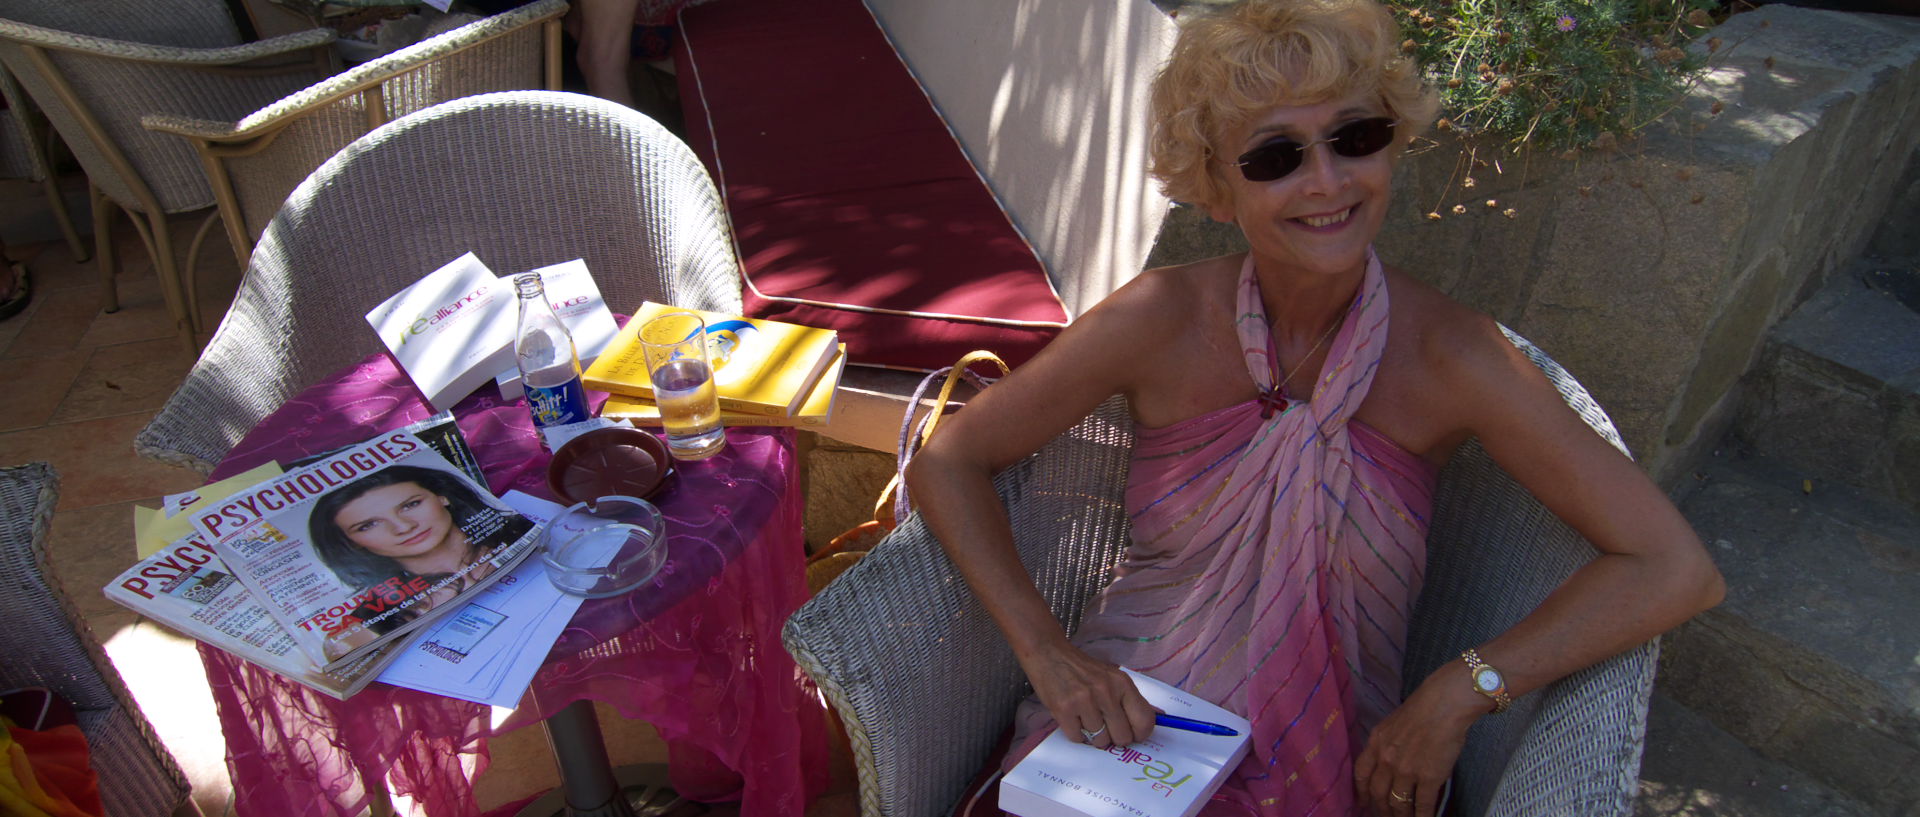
<point x="373" y="541"/>
<point x="185" y="586"/>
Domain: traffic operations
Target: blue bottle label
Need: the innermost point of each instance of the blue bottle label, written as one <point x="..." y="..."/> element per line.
<point x="558" y="405"/>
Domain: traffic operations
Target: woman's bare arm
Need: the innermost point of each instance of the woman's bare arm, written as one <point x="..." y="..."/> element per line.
<point x="1099" y="355"/>
<point x="1651" y="574"/>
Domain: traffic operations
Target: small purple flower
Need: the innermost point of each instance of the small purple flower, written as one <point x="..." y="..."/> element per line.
<point x="1565" y="23"/>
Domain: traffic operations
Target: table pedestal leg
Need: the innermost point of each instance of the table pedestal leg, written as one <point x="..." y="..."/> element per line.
<point x="586" y="775"/>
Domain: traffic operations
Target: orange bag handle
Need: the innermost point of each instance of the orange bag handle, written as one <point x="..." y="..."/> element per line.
<point x="895" y="493"/>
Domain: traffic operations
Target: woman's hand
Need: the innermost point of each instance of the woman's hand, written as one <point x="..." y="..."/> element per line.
<point x="1085" y="694"/>
<point x="1410" y="754"/>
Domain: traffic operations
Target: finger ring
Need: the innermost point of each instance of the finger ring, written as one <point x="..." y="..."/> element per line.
<point x="1400" y="798"/>
<point x="1095" y="733"/>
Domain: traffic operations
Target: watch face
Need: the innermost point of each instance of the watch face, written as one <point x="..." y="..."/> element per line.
<point x="1487" y="679"/>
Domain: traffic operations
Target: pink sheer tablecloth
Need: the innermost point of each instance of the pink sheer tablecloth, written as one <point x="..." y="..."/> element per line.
<point x="697" y="654"/>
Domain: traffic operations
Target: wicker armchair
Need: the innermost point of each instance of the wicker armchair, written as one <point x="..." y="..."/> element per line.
<point x="26" y="153"/>
<point x="254" y="162"/>
<point x="48" y="644"/>
<point x="97" y="68"/>
<point x="925" y="684"/>
<point x="522" y="179"/>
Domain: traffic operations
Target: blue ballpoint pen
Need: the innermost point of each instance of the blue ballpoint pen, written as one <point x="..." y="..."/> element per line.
<point x="1191" y="725"/>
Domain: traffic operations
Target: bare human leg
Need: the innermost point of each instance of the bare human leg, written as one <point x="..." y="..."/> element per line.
<point x="606" y="31"/>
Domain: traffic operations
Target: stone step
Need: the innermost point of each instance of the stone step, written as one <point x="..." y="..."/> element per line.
<point x="1814" y="658"/>
<point x="1695" y="769"/>
<point x="1837" y="391"/>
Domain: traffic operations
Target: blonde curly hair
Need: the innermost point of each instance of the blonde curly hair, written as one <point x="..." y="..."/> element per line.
<point x="1233" y="64"/>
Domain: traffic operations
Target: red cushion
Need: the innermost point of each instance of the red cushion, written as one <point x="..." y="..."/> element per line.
<point x="853" y="206"/>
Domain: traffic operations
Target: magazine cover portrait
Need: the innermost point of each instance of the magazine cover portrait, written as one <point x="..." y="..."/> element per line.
<point x="366" y="544"/>
<point x="412" y="536"/>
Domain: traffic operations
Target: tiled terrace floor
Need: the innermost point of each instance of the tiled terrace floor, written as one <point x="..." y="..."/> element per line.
<point x="79" y="385"/>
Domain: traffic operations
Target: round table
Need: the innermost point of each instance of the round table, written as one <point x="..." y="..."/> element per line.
<point x="696" y="652"/>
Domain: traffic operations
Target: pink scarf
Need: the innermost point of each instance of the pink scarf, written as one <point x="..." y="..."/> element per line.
<point x="1273" y="564"/>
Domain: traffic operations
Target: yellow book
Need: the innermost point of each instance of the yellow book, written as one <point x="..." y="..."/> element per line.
<point x="817" y="410"/>
<point x="759" y="367"/>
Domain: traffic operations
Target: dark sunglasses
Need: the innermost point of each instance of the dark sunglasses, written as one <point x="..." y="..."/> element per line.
<point x="1275" y="159"/>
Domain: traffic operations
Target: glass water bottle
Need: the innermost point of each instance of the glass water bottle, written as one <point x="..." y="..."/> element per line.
<point x="549" y="367"/>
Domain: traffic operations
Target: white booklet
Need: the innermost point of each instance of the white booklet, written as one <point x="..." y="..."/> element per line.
<point x="488" y="651"/>
<point x="450" y="331"/>
<point x="365" y="545"/>
<point x="1171" y="774"/>
<point x="576" y="300"/>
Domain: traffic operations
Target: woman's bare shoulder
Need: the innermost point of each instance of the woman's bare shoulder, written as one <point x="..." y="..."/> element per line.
<point x="1473" y="373"/>
<point x="1173" y="293"/>
<point x="1441" y="357"/>
<point x="1439" y="332"/>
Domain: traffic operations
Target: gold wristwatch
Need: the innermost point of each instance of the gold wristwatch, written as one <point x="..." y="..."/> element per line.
<point x="1487" y="681"/>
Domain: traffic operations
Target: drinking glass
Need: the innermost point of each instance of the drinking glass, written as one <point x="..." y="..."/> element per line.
<point x="676" y="350"/>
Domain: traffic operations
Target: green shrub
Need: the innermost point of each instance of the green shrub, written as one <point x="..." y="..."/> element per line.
<point x="1555" y="74"/>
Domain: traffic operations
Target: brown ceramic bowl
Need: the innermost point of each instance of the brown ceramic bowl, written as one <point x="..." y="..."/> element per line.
<point x="608" y="462"/>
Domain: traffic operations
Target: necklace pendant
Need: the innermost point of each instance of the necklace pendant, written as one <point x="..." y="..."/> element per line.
<point x="1271" y="402"/>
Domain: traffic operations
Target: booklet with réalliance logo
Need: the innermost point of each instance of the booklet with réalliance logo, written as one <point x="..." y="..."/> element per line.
<point x="1170" y="774"/>
<point x="446" y="330"/>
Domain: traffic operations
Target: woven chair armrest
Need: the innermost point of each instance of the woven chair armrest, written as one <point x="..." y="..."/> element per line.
<point x="922" y="678"/>
<point x="1580" y="753"/>
<point x="49" y="643"/>
<point x="899" y="643"/>
<point x="1494" y="554"/>
<point x="160" y="452"/>
<point x="188" y="126"/>
<point x="170" y="55"/>
<point x="373" y="72"/>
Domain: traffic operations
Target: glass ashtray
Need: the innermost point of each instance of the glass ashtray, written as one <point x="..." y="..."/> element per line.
<point x="604" y="547"/>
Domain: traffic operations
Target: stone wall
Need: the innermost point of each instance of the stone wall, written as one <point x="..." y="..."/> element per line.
<point x="1653" y="272"/>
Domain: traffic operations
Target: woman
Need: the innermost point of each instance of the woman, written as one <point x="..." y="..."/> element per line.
<point x="1292" y="407"/>
<point x="406" y="523"/>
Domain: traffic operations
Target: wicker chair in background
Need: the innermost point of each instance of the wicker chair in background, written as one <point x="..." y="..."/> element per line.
<point x="26" y="152"/>
<point x="925" y="684"/>
<point x="522" y="179"/>
<point x="48" y="644"/>
<point x="253" y="163"/>
<point x="97" y="68"/>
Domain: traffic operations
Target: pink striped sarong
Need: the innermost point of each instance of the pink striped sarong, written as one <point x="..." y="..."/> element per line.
<point x="1273" y="565"/>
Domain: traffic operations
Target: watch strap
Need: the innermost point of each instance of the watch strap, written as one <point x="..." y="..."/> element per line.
<point x="1501" y="700"/>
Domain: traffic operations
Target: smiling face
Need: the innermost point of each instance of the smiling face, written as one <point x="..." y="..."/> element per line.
<point x="1318" y="219"/>
<point x="398" y="521"/>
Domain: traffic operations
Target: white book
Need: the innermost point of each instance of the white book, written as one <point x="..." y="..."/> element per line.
<point x="1170" y="774"/>
<point x="447" y="331"/>
<point x="576" y="299"/>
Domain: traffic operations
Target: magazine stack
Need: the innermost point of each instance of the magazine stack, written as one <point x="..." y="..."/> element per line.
<point x="320" y="572"/>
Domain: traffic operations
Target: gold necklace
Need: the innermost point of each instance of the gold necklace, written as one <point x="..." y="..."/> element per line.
<point x="1280" y="390"/>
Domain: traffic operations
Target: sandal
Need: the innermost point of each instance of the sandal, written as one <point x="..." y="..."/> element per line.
<point x="22" y="292"/>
